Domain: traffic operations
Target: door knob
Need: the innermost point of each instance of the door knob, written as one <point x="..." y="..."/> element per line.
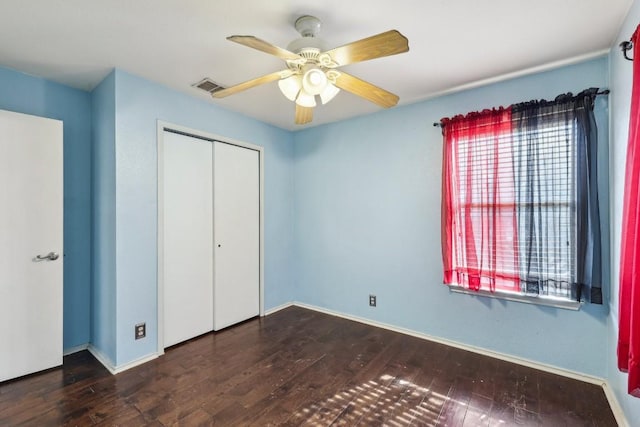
<point x="51" y="256"/>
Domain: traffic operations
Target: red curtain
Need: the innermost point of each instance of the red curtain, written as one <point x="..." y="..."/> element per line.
<point x="629" y="295"/>
<point x="479" y="228"/>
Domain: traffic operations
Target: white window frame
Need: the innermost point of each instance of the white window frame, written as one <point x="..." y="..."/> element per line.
<point x="545" y="300"/>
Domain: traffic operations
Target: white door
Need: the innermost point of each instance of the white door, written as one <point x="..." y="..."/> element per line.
<point x="31" y="221"/>
<point x="236" y="234"/>
<point x="188" y="233"/>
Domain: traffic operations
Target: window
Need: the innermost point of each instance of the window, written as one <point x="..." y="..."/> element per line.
<point x="520" y="206"/>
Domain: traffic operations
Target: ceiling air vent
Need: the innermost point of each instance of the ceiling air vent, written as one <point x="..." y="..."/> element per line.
<point x="208" y="85"/>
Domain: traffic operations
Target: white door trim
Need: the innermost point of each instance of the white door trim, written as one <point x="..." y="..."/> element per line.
<point x="161" y="127"/>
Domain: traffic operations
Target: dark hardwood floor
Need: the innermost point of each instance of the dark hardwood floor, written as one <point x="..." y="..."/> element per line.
<point x="300" y="367"/>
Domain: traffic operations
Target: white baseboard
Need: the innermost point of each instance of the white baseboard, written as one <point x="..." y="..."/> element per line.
<point x="621" y="419"/>
<point x="102" y="358"/>
<point x="610" y="395"/>
<point x="71" y="350"/>
<point x="497" y="355"/>
<point x="111" y="367"/>
<point x="278" y="308"/>
<point x="107" y="363"/>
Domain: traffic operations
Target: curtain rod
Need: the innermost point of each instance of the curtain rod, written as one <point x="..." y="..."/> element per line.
<point x="602" y="92"/>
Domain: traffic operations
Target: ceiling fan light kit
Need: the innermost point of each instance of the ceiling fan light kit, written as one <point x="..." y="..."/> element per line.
<point x="311" y="69"/>
<point x="306" y="100"/>
<point x="329" y="92"/>
<point x="314" y="81"/>
<point x="290" y="87"/>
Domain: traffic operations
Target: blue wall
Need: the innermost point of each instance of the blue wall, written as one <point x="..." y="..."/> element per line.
<point x="367" y="210"/>
<point x="103" y="297"/>
<point x="30" y="95"/>
<point x="110" y="173"/>
<point x="139" y="103"/>
<point x="621" y="78"/>
<point x="362" y="217"/>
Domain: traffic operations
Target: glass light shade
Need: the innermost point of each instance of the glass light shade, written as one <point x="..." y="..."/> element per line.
<point x="314" y="81"/>
<point x="290" y="87"/>
<point x="329" y="92"/>
<point x="306" y="100"/>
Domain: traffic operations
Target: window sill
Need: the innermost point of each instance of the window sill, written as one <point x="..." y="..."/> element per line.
<point x="566" y="305"/>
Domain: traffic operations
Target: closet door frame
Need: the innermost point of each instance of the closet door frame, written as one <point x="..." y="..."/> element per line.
<point x="163" y="126"/>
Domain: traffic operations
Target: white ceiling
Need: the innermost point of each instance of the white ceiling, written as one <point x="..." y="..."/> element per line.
<point x="453" y="43"/>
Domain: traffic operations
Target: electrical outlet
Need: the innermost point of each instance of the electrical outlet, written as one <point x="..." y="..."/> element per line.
<point x="141" y="330"/>
<point x="372" y="300"/>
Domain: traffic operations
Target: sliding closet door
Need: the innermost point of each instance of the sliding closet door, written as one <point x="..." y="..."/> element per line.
<point x="236" y="234"/>
<point x="188" y="232"/>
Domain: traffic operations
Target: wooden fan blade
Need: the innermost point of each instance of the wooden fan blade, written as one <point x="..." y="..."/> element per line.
<point x="366" y="90"/>
<point x="264" y="46"/>
<point x="251" y="83"/>
<point x="303" y="115"/>
<point x="378" y="46"/>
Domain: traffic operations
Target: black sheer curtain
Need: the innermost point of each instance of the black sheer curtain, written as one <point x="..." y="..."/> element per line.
<point x="555" y="168"/>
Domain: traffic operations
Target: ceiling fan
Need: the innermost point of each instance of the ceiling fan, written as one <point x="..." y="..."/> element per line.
<point x="312" y="69"/>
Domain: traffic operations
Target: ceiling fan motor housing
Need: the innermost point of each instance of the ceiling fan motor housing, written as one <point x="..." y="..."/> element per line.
<point x="309" y="28"/>
<point x="307" y="44"/>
